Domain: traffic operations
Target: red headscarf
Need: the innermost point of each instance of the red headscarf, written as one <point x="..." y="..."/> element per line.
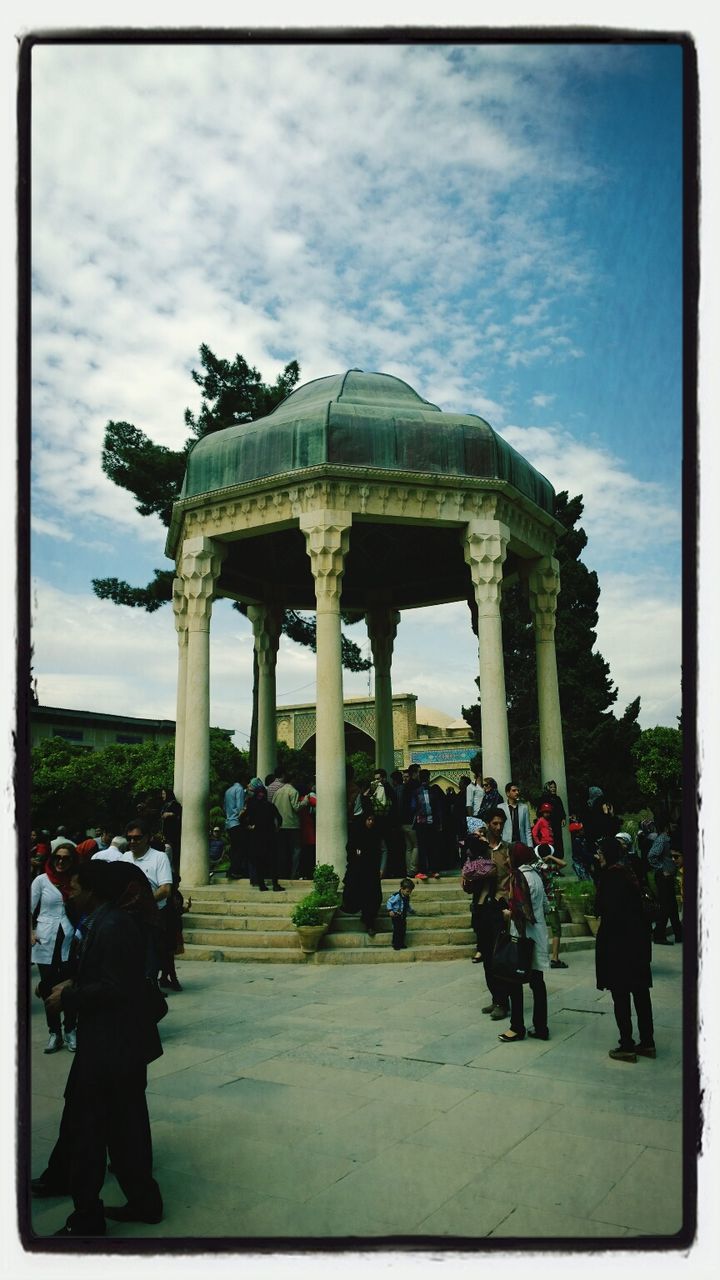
<point x="61" y="879"/>
<point x="86" y="849"/>
<point x="520" y="855"/>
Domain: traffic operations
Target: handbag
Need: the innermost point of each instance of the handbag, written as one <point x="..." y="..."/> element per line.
<point x="512" y="957"/>
<point x="475" y="870"/>
<point x="156" y="1003"/>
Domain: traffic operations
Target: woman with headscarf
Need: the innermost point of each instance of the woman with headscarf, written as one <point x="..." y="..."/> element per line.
<point x="491" y="798"/>
<point x="362" y="890"/>
<point x="623" y="952"/>
<point x="171" y="819"/>
<point x="261" y="821"/>
<point x="51" y="935"/>
<point x="526" y="916"/>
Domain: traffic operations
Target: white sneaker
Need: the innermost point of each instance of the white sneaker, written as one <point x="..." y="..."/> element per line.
<point x="71" y="1041"/>
<point x="54" y="1043"/>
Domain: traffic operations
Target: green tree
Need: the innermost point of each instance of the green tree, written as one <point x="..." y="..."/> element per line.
<point x="82" y="788"/>
<point x="598" y="745"/>
<point x="658" y="756"/>
<point x="233" y="392"/>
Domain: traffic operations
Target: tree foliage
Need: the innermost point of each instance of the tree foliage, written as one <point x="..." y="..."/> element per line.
<point x="598" y="745"/>
<point x="658" y="756"/>
<point x="233" y="392"/>
<point x="82" y="788"/>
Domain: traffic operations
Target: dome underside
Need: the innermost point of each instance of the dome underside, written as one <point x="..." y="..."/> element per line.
<point x="368" y="421"/>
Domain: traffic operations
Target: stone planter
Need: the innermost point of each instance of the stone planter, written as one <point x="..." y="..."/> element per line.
<point x="593" y="923"/>
<point x="310" y="935"/>
<point x="328" y="914"/>
<point x="576" y="910"/>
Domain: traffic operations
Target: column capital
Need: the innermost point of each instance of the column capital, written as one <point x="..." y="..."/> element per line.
<point x="544" y="588"/>
<point x="266" y="623"/>
<point x="199" y="566"/>
<point x="485" y="544"/>
<point x="382" y="624"/>
<point x="180" y="611"/>
<point x="327" y="538"/>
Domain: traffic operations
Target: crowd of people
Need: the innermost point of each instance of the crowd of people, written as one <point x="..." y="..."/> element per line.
<point x="106" y="924"/>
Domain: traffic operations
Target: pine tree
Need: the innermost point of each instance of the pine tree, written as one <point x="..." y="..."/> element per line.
<point x="232" y="393"/>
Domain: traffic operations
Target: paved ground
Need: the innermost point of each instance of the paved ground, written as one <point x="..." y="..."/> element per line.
<point x="307" y="1101"/>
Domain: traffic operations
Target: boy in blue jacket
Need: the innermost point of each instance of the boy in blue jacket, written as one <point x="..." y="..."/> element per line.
<point x="398" y="904"/>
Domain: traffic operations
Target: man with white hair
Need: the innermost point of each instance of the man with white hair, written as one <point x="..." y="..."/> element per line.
<point x="114" y="852"/>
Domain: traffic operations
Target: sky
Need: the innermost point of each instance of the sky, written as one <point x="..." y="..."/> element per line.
<point x="500" y="226"/>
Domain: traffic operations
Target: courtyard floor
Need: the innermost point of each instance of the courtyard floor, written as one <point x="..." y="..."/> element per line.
<point x="307" y="1102"/>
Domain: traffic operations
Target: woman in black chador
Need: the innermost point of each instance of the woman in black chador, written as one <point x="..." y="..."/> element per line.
<point x="623" y="951"/>
<point x="362" y="890"/>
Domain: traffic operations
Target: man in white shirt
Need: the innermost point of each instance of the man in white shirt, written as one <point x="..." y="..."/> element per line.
<point x="154" y="863"/>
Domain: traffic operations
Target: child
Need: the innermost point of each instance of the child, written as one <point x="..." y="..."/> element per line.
<point x="398" y="904"/>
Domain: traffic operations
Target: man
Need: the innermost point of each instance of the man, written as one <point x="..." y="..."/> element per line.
<point x="661" y="861"/>
<point x="407" y="795"/>
<point x="474" y="794"/>
<point x="288" y="803"/>
<point x="234" y="801"/>
<point x="105" y="1105"/>
<point x="155" y="865"/>
<point x="427" y="819"/>
<point x="382" y="799"/>
<point x="517" y="817"/>
<point x="487" y="910"/>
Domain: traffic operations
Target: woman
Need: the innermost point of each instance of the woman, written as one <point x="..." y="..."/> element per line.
<point x="526" y="914"/>
<point x="362" y="890"/>
<point x="171" y="818"/>
<point x="491" y="798"/>
<point x="623" y="952"/>
<point x="261" y="821"/>
<point x="51" y="935"/>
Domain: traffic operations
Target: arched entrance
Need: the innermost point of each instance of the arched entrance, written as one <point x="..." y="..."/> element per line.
<point x="355" y="740"/>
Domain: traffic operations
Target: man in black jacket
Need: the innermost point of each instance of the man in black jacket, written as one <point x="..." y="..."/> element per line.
<point x="117" y="1036"/>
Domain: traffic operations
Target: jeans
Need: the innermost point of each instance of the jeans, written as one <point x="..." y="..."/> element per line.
<point x="398" y="930"/>
<point x="668" y="907"/>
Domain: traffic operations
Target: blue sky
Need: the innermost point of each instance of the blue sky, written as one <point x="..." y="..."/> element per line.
<point x="498" y="225"/>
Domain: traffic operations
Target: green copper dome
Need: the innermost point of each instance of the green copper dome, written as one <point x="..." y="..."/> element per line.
<point x="367" y="421"/>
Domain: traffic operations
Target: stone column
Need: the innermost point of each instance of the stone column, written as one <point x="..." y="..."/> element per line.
<point x="266" y="621"/>
<point x="485" y="544"/>
<point x="179" y="604"/>
<point x="199" y="568"/>
<point x="382" y="624"/>
<point x="327" y="535"/>
<point x="544" y="587"/>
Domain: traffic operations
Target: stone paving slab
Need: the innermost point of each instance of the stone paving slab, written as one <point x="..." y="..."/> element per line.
<point x="298" y="1104"/>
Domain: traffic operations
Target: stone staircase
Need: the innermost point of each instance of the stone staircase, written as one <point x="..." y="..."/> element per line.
<point x="233" y="921"/>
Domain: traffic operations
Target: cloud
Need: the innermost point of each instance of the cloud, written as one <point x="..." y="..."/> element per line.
<point x="623" y="512"/>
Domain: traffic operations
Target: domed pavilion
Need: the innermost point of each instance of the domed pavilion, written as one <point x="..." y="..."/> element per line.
<point x="355" y="493"/>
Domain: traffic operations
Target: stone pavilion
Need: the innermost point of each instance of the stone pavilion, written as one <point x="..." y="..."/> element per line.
<point x="355" y="493"/>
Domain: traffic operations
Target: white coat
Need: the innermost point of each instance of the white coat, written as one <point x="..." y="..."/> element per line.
<point x="537" y="931"/>
<point x="52" y="916"/>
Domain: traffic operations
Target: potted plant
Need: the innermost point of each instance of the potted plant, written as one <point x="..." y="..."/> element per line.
<point x="573" y="897"/>
<point x="326" y="894"/>
<point x="308" y="920"/>
<point x="593" y="921"/>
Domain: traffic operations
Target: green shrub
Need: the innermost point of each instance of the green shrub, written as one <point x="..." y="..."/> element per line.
<point x="306" y="912"/>
<point x="325" y="878"/>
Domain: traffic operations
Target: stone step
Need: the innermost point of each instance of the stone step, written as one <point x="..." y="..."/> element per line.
<point x="265" y="955"/>
<point x="267" y="905"/>
<point x="258" y="922"/>
<point x="241" y="938"/>
<point x="419" y="937"/>
<point x="386" y="955"/>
